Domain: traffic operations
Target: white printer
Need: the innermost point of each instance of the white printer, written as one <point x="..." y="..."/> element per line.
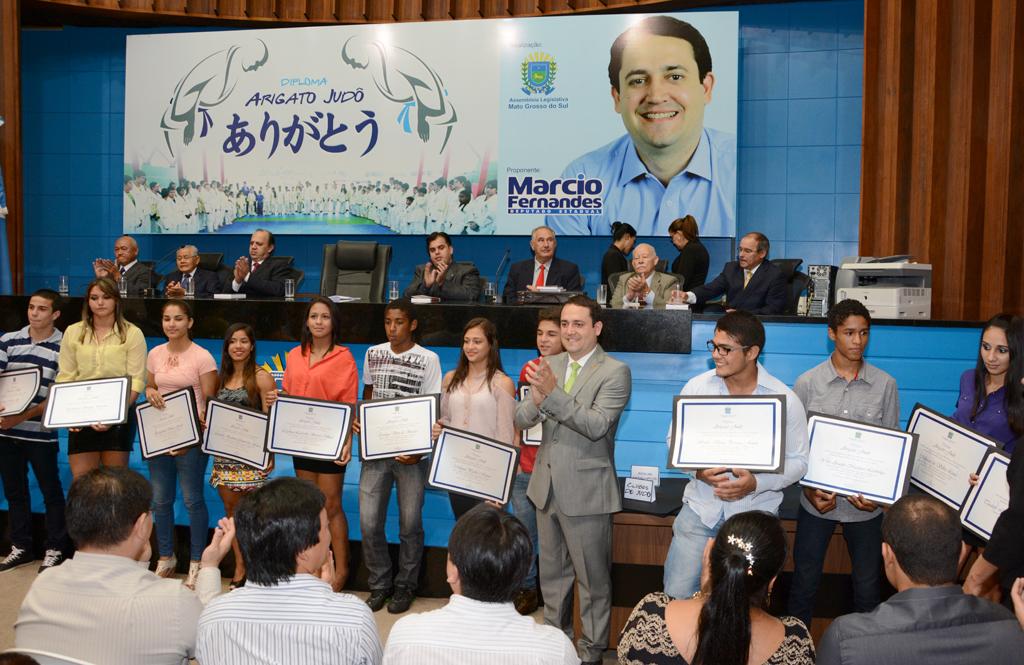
<point x="891" y="287"/>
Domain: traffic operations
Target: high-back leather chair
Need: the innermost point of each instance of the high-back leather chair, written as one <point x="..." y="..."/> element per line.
<point x="356" y="269"/>
<point x="796" y="282"/>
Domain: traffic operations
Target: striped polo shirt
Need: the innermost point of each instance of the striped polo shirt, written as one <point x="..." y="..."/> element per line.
<point x="18" y="351"/>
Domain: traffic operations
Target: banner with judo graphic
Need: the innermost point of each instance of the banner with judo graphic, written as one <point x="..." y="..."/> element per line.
<point x="469" y="127"/>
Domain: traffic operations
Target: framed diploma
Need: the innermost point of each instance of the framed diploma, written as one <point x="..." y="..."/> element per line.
<point x="84" y="403"/>
<point x="989" y="498"/>
<point x="401" y="426"/>
<point x="470" y="464"/>
<point x="851" y="458"/>
<point x="173" y="427"/>
<point x="304" y="427"/>
<point x="535" y="435"/>
<point x="18" y="388"/>
<point x="947" y="453"/>
<point x="747" y="432"/>
<point x="237" y="433"/>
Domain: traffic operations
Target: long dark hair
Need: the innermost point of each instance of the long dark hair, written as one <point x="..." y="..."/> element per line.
<point x="1014" y="399"/>
<point x="1014" y="388"/>
<point x="306" y="340"/>
<point x="493" y="358"/>
<point x="109" y="289"/>
<point x="227" y="365"/>
<point x="748" y="553"/>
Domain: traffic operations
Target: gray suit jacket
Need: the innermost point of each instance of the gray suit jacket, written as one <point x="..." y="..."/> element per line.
<point x="461" y="283"/>
<point x="661" y="283"/>
<point x="577" y="457"/>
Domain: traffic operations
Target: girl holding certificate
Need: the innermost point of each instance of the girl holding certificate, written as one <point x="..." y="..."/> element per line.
<point x="243" y="383"/>
<point x="102" y="345"/>
<point x="178" y="364"/>
<point x="477" y="396"/>
<point x="321" y="368"/>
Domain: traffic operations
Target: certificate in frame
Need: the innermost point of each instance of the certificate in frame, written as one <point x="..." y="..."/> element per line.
<point x="292" y="418"/>
<point x="839" y="449"/>
<point x="105" y="401"/>
<point x="535" y="435"/>
<point x="370" y="409"/>
<point x="455" y="451"/>
<point x="989" y="498"/>
<point x="937" y="469"/>
<point x="18" y="388"/>
<point x="220" y="414"/>
<point x="755" y="423"/>
<point x="174" y="427"/>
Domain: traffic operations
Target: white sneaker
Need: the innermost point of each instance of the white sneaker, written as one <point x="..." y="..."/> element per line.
<point x="167" y="567"/>
<point x="193" y="575"/>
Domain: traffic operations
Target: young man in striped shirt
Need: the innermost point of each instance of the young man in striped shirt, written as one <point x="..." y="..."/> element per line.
<point x="24" y="442"/>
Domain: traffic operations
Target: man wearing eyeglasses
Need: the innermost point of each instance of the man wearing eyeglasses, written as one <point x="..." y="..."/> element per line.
<point x="715" y="495"/>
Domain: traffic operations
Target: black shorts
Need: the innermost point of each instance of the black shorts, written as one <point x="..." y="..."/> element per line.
<point x="119" y="438"/>
<point x="317" y="466"/>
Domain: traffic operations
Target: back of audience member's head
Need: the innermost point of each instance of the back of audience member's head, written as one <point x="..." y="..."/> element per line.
<point x="274" y="525"/>
<point x="747" y="554"/>
<point x="9" y="658"/>
<point x="744" y="327"/>
<point x="104" y="504"/>
<point x="925" y="537"/>
<point x="844" y="309"/>
<point x="492" y="551"/>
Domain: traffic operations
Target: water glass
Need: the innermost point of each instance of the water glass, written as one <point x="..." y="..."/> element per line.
<point x="62" y="285"/>
<point x="602" y="295"/>
<point x="190" y="289"/>
<point x="392" y="290"/>
<point x="122" y="287"/>
<point x="289" y="289"/>
<point x="489" y="292"/>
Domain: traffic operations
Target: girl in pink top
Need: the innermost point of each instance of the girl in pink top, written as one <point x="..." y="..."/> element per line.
<point x="178" y="364"/>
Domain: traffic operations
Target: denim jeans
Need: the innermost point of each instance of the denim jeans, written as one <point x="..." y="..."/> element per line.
<point x="527" y="514"/>
<point x="375" y="481"/>
<point x="165" y="473"/>
<point x="686" y="553"/>
<point x="863" y="542"/>
<point x="15" y="457"/>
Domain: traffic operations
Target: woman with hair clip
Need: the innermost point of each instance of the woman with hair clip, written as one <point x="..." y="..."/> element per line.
<point x="179" y="364"/>
<point x="693" y="260"/>
<point x="614" y="261"/>
<point x="241" y="382"/>
<point x="321" y="368"/>
<point x="477" y="396"/>
<point x="727" y="621"/>
<point x="101" y="346"/>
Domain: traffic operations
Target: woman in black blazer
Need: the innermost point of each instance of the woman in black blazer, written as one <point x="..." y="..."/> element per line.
<point x="692" y="262"/>
<point x="623" y="239"/>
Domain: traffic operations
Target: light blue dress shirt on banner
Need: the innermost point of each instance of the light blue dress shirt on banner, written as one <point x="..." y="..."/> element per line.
<point x="706" y="189"/>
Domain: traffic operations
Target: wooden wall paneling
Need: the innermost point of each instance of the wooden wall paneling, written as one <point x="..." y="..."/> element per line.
<point x="107" y="4"/>
<point x="462" y="9"/>
<point x="585" y="5"/>
<point x="231" y="8"/>
<point x="380" y="11"/>
<point x="291" y="10"/>
<point x="198" y="7"/>
<point x="259" y="9"/>
<point x="320" y="10"/>
<point x="10" y="136"/>
<point x="169" y="6"/>
<point x="494" y="8"/>
<point x="436" y="10"/>
<point x="137" y="5"/>
<point x="409" y="10"/>
<point x="554" y="7"/>
<point x="523" y="8"/>
<point x="351" y="11"/>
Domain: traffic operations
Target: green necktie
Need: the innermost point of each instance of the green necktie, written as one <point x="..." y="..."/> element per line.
<point x="575" y="369"/>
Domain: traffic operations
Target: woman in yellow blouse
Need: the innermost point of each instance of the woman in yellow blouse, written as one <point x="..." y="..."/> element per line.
<point x="102" y="345"/>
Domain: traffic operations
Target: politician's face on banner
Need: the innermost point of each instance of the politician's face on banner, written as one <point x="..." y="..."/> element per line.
<point x="661" y="95"/>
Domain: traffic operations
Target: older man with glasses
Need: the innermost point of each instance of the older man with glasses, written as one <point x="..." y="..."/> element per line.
<point x="203" y="283"/>
<point x="715" y="495"/>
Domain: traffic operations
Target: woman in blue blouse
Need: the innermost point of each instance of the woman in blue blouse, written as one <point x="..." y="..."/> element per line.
<point x="984" y="403"/>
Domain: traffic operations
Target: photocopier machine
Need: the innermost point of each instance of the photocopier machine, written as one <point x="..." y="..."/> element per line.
<point x="891" y="287"/>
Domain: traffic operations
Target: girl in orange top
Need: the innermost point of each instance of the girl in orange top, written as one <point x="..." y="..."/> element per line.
<point x="321" y="368"/>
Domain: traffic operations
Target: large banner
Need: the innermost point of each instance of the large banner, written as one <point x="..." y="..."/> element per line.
<point x="470" y="127"/>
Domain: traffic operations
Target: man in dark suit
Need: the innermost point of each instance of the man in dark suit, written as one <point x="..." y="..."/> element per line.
<point x="442" y="277"/>
<point x="750" y="283"/>
<point x="205" y="283"/>
<point x="543" y="269"/>
<point x="259" y="275"/>
<point x="126" y="266"/>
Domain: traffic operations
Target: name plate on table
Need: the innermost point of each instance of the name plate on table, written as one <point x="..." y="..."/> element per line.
<point x="18" y="387"/>
<point x="237" y="433"/>
<point x="173" y="427"/>
<point x="947" y="453"/>
<point x="851" y="458"/>
<point x="400" y="426"/>
<point x="747" y="432"/>
<point x="473" y="465"/>
<point x="638" y="489"/>
<point x="304" y="427"/>
<point x="535" y="435"/>
<point x="84" y="403"/>
<point x="989" y="498"/>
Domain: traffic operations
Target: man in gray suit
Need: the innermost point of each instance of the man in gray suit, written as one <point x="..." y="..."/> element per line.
<point x="578" y="395"/>
<point x="645" y="287"/>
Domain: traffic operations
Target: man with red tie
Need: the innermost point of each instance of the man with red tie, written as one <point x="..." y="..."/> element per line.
<point x="543" y="269"/>
<point x="259" y="275"/>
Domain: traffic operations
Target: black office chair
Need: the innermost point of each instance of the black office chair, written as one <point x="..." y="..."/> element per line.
<point x="356" y="269"/>
<point x="796" y="282"/>
<point x="211" y="261"/>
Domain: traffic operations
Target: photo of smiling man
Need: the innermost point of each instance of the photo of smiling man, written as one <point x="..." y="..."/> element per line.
<point x="668" y="164"/>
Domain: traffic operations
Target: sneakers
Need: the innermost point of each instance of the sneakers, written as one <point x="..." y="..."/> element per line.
<point x="401" y="601"/>
<point x="167" y="567"/>
<point x="16" y="559"/>
<point x="52" y="559"/>
<point x="526" y="601"/>
<point x="377" y="599"/>
<point x="193" y="575"/>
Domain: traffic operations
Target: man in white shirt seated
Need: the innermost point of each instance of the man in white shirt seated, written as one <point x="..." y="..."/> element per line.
<point x="104" y="606"/>
<point x="286" y="612"/>
<point x="489" y="555"/>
